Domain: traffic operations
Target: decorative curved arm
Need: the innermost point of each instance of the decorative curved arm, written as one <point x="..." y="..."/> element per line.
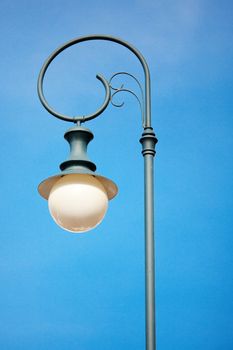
<point x="146" y="107"/>
<point x="76" y="118"/>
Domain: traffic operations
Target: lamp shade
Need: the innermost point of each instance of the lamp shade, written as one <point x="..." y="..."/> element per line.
<point x="78" y="202"/>
<point x="77" y="196"/>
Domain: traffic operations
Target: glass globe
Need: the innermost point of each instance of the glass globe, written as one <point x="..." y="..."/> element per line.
<point x="78" y="202"/>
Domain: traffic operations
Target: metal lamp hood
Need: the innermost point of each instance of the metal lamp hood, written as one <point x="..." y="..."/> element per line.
<point x="78" y="163"/>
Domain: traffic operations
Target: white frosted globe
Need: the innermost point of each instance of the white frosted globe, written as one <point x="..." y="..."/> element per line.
<point x="78" y="202"/>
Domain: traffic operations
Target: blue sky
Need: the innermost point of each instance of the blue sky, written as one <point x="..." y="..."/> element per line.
<point x="62" y="291"/>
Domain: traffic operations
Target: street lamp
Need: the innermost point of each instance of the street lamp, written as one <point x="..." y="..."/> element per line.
<point x="77" y="196"/>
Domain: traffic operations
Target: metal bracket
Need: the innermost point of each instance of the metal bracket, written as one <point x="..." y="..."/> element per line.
<point x="110" y="91"/>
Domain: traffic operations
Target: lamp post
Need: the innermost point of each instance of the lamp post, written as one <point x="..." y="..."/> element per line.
<point x="78" y="197"/>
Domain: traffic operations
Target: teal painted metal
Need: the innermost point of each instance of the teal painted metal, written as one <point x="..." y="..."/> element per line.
<point x="78" y="139"/>
<point x="147" y="105"/>
<point x="148" y="141"/>
<point x="78" y="162"/>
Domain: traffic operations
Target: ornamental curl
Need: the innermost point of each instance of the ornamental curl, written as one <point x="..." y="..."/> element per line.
<point x="116" y="90"/>
<point x="145" y="101"/>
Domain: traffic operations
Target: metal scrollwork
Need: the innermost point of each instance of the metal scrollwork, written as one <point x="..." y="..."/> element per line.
<point x="110" y="90"/>
<point x="116" y="90"/>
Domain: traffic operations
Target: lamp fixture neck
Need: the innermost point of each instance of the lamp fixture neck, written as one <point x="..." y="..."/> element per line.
<point x="78" y="138"/>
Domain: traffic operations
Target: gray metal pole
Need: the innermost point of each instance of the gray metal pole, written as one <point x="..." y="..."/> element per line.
<point x="148" y="142"/>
